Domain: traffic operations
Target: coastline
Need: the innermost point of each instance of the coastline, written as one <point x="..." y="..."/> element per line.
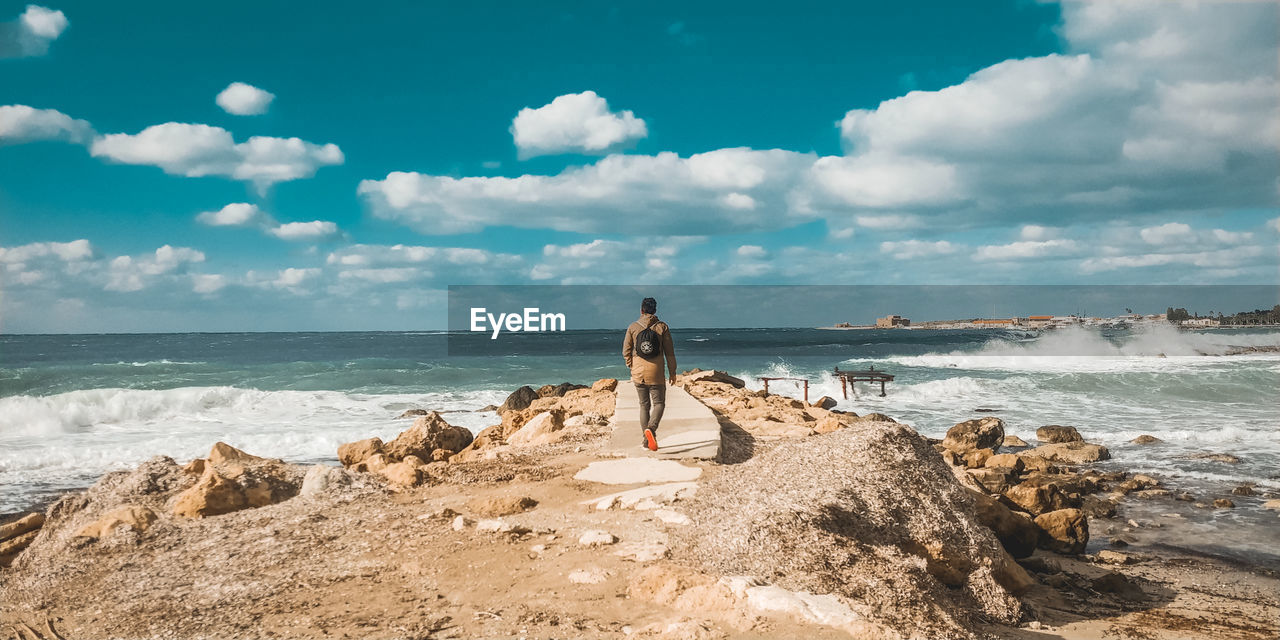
<point x="369" y="535"/>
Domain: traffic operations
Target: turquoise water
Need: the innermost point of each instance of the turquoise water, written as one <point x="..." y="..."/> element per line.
<point x="75" y="406"/>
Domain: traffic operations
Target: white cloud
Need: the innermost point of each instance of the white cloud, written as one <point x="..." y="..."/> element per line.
<point x="291" y="279"/>
<point x="912" y="249"/>
<point x="302" y="231"/>
<point x="236" y="214"/>
<point x="195" y="150"/>
<point x="207" y="283"/>
<point x="44" y="23"/>
<point x="1035" y="232"/>
<point x="600" y="261"/>
<point x="1275" y="224"/>
<point x="32" y="32"/>
<point x="891" y="222"/>
<point x="574" y="123"/>
<point x="751" y="251"/>
<point x="384" y="275"/>
<point x="1128" y="122"/>
<point x="65" y="251"/>
<point x="360" y="255"/>
<point x="876" y="182"/>
<point x="1025" y="249"/>
<point x="127" y="273"/>
<point x="1232" y="237"/>
<point x="1141" y="115"/>
<point x="242" y="99"/>
<point x="1214" y="259"/>
<point x="20" y="123"/>
<point x="1167" y="233"/>
<point x="671" y="194"/>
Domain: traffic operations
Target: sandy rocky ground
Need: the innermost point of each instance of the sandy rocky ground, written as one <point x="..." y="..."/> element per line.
<point x="811" y="524"/>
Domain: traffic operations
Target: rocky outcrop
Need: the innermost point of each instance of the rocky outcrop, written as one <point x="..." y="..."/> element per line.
<point x="544" y="428"/>
<point x="17" y="535"/>
<point x="871" y="513"/>
<point x="1069" y="452"/>
<point x="698" y="375"/>
<point x="1057" y="433"/>
<point x="519" y="399"/>
<point x="428" y="434"/>
<point x="980" y="433"/>
<point x="767" y="416"/>
<point x="605" y="385"/>
<point x="355" y="452"/>
<point x="1017" y="532"/>
<point x="212" y="495"/>
<point x="234" y="480"/>
<point x="132" y="517"/>
<point x="825" y="402"/>
<point x="25" y="524"/>
<point x="402" y="473"/>
<point x="1146" y="439"/>
<point x="1064" y="530"/>
<point x="1037" y="498"/>
<point x="558" y="390"/>
<point x="1014" y="442"/>
<point x="223" y="453"/>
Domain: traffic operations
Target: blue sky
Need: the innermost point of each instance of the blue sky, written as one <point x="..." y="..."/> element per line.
<point x="361" y="160"/>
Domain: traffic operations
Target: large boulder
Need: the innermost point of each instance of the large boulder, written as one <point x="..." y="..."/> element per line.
<point x="1006" y="460"/>
<point x="519" y="399"/>
<point x="1064" y="531"/>
<point x="1036" y="498"/>
<point x="1054" y="433"/>
<point x="871" y="513"/>
<point x="558" y="390"/>
<point x="605" y="384"/>
<point x="1069" y="452"/>
<point x="356" y="452"/>
<point x="825" y="402"/>
<point x="1016" y="532"/>
<point x="544" y="428"/>
<point x="211" y="495"/>
<point x="29" y="522"/>
<point x="223" y="453"/>
<point x="980" y="433"/>
<point x="428" y="433"/>
<point x="127" y="517"/>
<point x="401" y="473"/>
<point x="711" y="376"/>
<point x="993" y="480"/>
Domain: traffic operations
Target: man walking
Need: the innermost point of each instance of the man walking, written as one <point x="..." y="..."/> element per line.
<point x="647" y="342"/>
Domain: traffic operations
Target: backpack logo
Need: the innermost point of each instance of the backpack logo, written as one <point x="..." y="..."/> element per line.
<point x="647" y="343"/>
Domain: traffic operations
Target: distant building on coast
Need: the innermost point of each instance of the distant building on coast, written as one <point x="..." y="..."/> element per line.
<point x="1201" y="322"/>
<point x="998" y="322"/>
<point x="1038" y="322"/>
<point x="889" y="322"/>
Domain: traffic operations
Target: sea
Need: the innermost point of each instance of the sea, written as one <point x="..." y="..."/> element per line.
<point x="73" y="407"/>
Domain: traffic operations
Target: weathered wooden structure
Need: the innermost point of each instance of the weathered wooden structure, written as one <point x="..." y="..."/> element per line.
<point x="847" y="378"/>
<point x="805" y="381"/>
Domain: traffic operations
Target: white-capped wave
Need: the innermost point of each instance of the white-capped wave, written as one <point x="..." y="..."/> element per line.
<point x="94" y="431"/>
<point x="1155" y="347"/>
<point x="141" y="409"/>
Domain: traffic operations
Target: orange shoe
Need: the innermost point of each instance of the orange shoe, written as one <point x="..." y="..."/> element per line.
<point x="650" y="440"/>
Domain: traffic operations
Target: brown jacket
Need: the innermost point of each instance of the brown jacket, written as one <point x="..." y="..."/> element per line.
<point x="649" y="370"/>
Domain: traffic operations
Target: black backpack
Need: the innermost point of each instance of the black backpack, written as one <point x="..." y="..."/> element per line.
<point x="647" y="342"/>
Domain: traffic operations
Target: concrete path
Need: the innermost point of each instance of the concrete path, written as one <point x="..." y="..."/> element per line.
<point x="688" y="428"/>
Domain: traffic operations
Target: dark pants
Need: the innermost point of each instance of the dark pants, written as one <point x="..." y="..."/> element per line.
<point x="653" y="399"/>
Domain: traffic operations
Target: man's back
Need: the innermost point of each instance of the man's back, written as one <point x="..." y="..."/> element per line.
<point x="649" y="370"/>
